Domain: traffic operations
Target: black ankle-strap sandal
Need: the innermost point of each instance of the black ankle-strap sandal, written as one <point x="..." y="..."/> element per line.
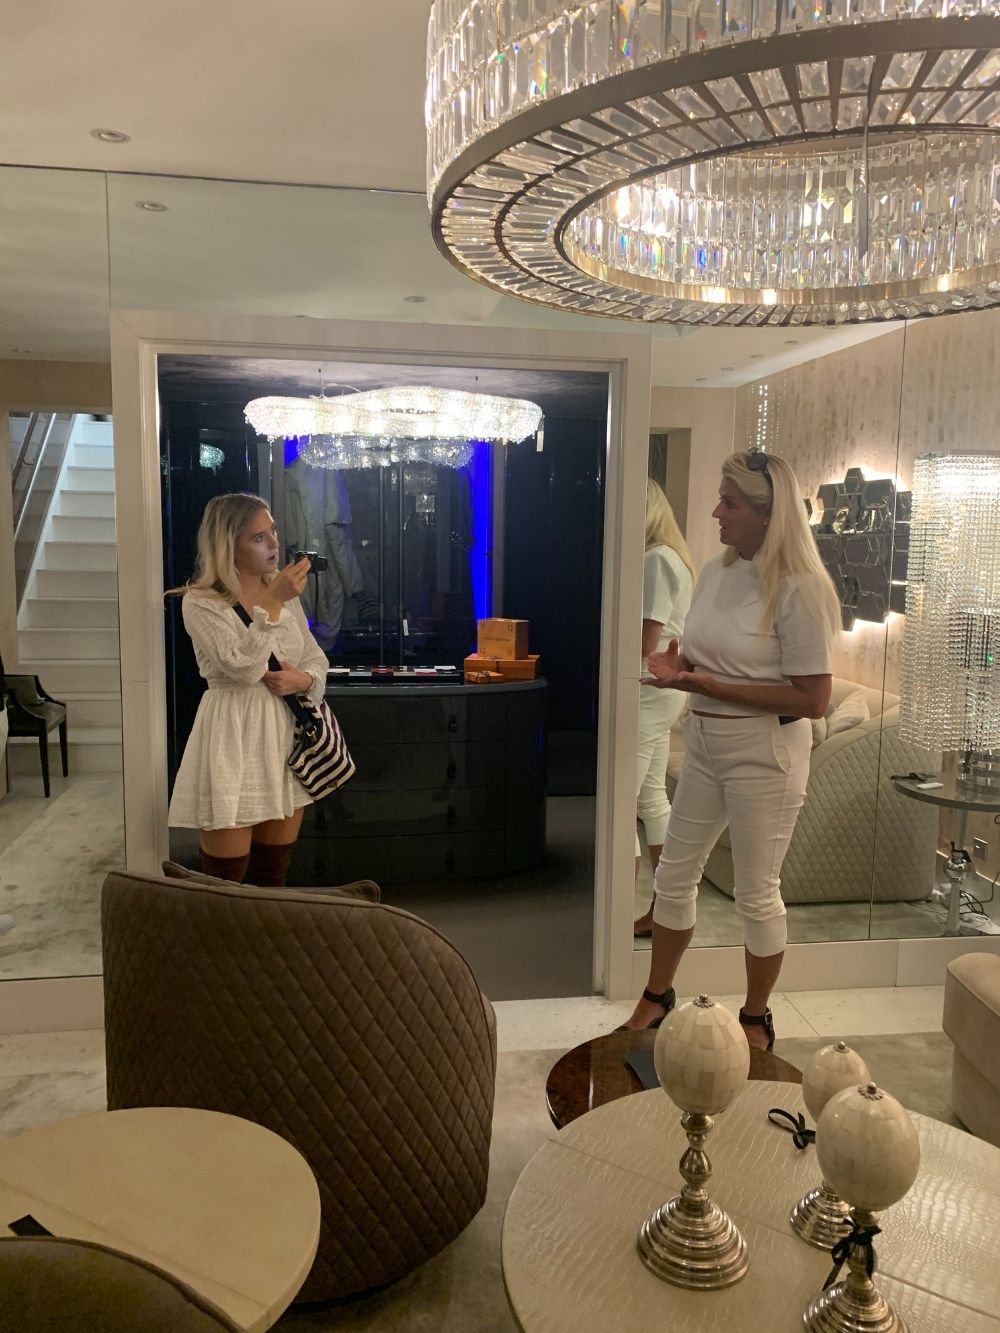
<point x="667" y="999"/>
<point x="764" y="1020"/>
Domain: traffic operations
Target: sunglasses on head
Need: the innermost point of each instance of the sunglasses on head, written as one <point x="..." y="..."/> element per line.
<point x="757" y="462"/>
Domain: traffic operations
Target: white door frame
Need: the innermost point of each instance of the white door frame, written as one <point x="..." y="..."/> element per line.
<point x="138" y="338"/>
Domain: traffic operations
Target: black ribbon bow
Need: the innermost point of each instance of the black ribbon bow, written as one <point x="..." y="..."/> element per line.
<point x="801" y="1136"/>
<point x="860" y="1236"/>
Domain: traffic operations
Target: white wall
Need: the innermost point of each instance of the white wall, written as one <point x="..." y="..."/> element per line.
<point x="709" y="414"/>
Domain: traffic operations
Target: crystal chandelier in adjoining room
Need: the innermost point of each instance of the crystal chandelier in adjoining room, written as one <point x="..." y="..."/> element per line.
<point x="400" y="424"/>
<point x="950" y="683"/>
<point x="728" y="163"/>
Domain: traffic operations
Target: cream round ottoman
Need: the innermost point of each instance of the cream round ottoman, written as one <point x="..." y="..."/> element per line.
<point x="972" y="1021"/>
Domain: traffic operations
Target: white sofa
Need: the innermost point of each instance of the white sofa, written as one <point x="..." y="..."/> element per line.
<point x="852" y="813"/>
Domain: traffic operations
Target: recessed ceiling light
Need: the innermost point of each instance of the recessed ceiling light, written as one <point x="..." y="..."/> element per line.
<point x="702" y="379"/>
<point x="150" y="206"/>
<point x="111" y="136"/>
<point x="415" y="300"/>
<point x="791" y="342"/>
<point x="757" y="356"/>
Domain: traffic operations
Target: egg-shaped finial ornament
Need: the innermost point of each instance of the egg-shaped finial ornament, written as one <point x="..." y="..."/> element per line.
<point x="701" y="1055"/>
<point x="831" y="1070"/>
<point x="867" y="1147"/>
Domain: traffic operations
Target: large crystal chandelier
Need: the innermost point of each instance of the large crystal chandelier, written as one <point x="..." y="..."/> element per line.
<point x="400" y="424"/>
<point x="950" y="682"/>
<point x="733" y="162"/>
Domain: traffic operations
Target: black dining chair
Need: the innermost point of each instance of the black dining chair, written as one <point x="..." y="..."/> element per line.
<point x="33" y="713"/>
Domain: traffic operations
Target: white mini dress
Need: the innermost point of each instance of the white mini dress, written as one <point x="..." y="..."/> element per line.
<point x="234" y="771"/>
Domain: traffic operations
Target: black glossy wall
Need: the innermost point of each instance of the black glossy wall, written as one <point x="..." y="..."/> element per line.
<point x="553" y="548"/>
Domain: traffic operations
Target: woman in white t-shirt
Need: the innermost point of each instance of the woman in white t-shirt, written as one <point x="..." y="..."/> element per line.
<point x="667" y="580"/>
<point x="755" y="659"/>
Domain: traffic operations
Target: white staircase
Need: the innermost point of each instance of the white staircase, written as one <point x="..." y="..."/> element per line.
<point x="67" y="625"/>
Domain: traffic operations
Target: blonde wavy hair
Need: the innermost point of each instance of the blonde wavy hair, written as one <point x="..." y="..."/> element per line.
<point x="789" y="548"/>
<point x="662" y="528"/>
<point x="225" y="517"/>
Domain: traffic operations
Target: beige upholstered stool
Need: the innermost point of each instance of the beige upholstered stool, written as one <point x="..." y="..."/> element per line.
<point x="972" y="1021"/>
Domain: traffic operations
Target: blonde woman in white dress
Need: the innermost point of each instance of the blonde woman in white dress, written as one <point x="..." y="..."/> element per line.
<point x="234" y="784"/>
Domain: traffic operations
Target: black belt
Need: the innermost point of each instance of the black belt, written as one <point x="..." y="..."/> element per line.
<point x="783" y="721"/>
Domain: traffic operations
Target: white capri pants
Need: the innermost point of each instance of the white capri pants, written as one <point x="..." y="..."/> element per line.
<point x="751" y="774"/>
<point x="658" y="711"/>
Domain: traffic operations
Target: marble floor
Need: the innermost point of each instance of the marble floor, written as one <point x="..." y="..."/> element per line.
<point x="48" y="1076"/>
<point x="54" y="854"/>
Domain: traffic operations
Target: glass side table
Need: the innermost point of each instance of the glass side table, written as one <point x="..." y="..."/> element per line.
<point x="966" y="800"/>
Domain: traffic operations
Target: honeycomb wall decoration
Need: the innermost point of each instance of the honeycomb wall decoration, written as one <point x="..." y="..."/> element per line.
<point x="863" y="537"/>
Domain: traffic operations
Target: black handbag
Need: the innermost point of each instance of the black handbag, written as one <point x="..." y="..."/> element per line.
<point x="319" y="756"/>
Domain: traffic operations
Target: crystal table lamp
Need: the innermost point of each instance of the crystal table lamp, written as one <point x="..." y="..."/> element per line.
<point x="821" y="1218"/>
<point x="950" y="688"/>
<point x="869" y="1152"/>
<point x="702" y="1061"/>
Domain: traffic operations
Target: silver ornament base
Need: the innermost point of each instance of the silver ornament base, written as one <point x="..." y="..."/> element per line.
<point x="689" y="1240"/>
<point x="705" y="1252"/>
<point x="854" y="1306"/>
<point x="820" y="1218"/>
<point x="841" y="1310"/>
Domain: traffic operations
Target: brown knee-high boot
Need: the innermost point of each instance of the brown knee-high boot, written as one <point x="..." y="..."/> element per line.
<point x="269" y="864"/>
<point x="232" y="868"/>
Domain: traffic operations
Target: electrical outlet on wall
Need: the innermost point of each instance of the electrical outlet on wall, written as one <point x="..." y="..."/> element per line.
<point x="979" y="848"/>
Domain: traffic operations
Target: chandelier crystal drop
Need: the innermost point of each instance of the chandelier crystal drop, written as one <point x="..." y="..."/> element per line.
<point x="348" y="452"/>
<point x="748" y="162"/>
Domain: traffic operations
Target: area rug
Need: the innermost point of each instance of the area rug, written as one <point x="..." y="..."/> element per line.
<point x="461" y="1291"/>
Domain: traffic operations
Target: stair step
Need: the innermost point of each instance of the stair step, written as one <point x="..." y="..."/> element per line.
<point x="86" y="504"/>
<point x="63" y="644"/>
<point x="82" y="528"/>
<point x="91" y="750"/>
<point x="93" y="456"/>
<point x="68" y="613"/>
<point x="95" y="556"/>
<point x="75" y="583"/>
<point x="94" y="432"/>
<point x="90" y="479"/>
<point x="92" y="710"/>
<point x="100" y="675"/>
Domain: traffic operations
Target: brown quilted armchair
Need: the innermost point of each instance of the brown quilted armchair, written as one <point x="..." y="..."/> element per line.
<point x="351" y="1028"/>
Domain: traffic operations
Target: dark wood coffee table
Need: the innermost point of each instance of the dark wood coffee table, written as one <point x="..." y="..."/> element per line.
<point x="595" y="1073"/>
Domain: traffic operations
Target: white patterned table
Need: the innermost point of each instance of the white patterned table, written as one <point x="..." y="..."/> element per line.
<point x="569" y="1257"/>
<point x="225" y="1205"/>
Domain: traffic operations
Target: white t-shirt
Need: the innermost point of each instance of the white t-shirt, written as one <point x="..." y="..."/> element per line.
<point x="666" y="594"/>
<point x="722" y="633"/>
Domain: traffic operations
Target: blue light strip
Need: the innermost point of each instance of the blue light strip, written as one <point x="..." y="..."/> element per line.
<point x="480" y="473"/>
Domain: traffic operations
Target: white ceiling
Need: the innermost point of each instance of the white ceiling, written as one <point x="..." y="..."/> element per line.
<point x="320" y="92"/>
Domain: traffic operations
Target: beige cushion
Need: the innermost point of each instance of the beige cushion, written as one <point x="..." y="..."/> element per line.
<point x="972" y="1021"/>
<point x="972" y="1011"/>
<point x="365" y="889"/>
<point x="56" y="1285"/>
<point x="850" y="713"/>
